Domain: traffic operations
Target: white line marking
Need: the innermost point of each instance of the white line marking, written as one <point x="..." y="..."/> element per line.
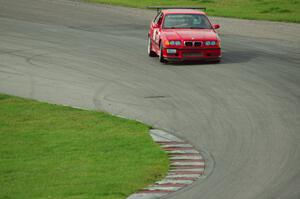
<point x="174" y="181"/>
<point x="187" y="164"/>
<point x="183" y="176"/>
<point x="162" y="188"/>
<point x="196" y="157"/>
<point x="146" y="195"/>
<point x="177" y="145"/>
<point x="182" y="151"/>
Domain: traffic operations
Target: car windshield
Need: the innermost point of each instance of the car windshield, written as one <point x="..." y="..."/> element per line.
<point x="192" y="21"/>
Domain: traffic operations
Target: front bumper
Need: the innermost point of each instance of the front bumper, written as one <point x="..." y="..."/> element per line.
<point x="184" y="54"/>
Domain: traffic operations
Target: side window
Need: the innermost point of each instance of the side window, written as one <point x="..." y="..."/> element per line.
<point x="157" y="18"/>
<point x="160" y="19"/>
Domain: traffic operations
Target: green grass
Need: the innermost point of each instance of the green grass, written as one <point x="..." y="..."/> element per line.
<point x="51" y="151"/>
<point x="275" y="10"/>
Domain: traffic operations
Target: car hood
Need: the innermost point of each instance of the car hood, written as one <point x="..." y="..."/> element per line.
<point x="190" y="34"/>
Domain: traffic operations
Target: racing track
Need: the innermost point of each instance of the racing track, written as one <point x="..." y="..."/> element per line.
<point x="245" y="111"/>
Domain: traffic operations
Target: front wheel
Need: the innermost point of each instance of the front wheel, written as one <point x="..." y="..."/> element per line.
<point x="150" y="52"/>
<point x="161" y="56"/>
<point x="217" y="61"/>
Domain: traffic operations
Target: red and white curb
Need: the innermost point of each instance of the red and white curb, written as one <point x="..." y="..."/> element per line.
<point x="187" y="165"/>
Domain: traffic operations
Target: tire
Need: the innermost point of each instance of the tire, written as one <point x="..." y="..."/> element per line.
<point x="149" y="48"/>
<point x="160" y="56"/>
<point x="217" y="61"/>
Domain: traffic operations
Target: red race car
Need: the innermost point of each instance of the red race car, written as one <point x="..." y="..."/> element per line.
<point x="179" y="34"/>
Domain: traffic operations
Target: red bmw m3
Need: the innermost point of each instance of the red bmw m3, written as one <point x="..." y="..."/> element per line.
<point x="183" y="34"/>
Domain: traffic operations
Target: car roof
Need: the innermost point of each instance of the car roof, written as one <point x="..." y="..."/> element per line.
<point x="182" y="11"/>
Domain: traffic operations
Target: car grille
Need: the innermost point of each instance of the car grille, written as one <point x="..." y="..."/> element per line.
<point x="193" y="43"/>
<point x="197" y="43"/>
<point x="188" y="43"/>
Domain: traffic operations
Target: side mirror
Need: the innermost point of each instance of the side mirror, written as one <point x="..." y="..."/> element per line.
<point x="155" y="25"/>
<point x="216" y="26"/>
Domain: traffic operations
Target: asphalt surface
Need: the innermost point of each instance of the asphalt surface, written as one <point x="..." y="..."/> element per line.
<point x="244" y="112"/>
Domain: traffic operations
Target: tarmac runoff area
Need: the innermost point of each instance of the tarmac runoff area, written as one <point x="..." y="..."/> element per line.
<point x="186" y="166"/>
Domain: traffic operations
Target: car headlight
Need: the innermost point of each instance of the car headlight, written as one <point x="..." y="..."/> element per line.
<point x="210" y="43"/>
<point x="207" y="43"/>
<point x="175" y="43"/>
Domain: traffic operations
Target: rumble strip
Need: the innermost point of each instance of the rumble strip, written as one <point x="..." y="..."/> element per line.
<point x="186" y="166"/>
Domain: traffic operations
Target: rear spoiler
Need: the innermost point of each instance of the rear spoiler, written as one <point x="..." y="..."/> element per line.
<point x="159" y="8"/>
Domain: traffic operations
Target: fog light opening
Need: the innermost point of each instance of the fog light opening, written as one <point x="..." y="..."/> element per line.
<point x="171" y="51"/>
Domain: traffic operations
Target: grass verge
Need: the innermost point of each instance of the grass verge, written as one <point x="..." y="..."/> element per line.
<point x="274" y="10"/>
<point x="51" y="151"/>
